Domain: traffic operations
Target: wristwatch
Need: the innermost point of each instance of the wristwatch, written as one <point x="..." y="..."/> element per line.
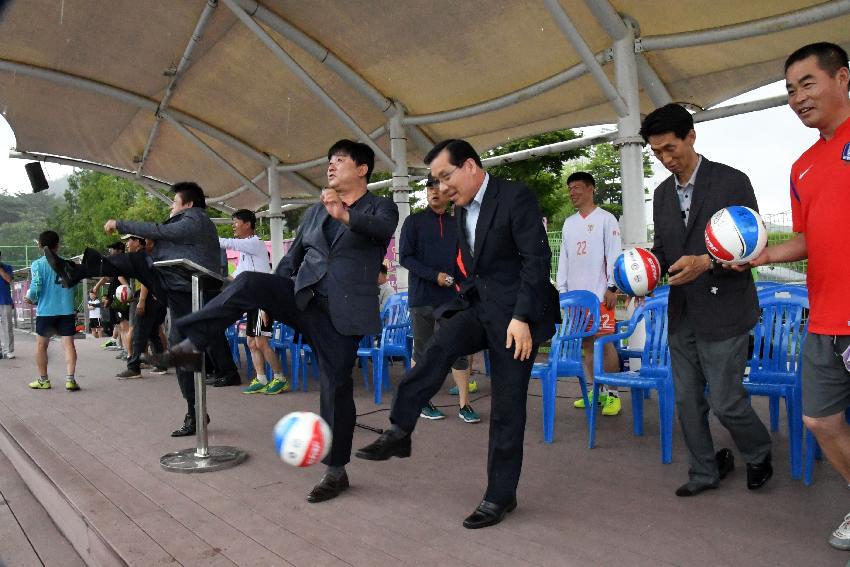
<point x="712" y="264"/>
<point x="612" y="288"/>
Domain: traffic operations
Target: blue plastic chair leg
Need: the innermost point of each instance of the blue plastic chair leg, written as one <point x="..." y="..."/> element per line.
<point x="549" y="388"/>
<point x="637" y="411"/>
<point x="666" y="406"/>
<point x="587" y="405"/>
<point x="591" y="435"/>
<point x="774" y="413"/>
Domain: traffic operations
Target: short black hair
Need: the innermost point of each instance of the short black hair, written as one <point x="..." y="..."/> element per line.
<point x="459" y="152"/>
<point x="432" y="181"/>
<point x="190" y="191"/>
<point x="831" y="57"/>
<point x="384" y="269"/>
<point x="669" y="118"/>
<point x="360" y="153"/>
<point x="48" y="238"/>
<point x="141" y="240"/>
<point x="117" y="246"/>
<point x="581" y="176"/>
<point x="245" y="216"/>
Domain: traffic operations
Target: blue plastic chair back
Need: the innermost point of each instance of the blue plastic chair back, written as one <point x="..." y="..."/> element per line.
<point x="580" y="319"/>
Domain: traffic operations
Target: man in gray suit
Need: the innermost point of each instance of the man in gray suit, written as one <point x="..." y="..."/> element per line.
<point x="325" y="288"/>
<point x="711" y="310"/>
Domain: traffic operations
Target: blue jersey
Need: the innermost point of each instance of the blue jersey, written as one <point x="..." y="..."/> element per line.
<point x="6" y="288"/>
<point x="47" y="293"/>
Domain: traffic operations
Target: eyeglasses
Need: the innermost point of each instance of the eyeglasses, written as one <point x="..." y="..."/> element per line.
<point x="446" y="176"/>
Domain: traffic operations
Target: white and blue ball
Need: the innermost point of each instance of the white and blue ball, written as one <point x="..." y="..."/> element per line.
<point x="735" y="235"/>
<point x="637" y="272"/>
<point x="302" y="438"/>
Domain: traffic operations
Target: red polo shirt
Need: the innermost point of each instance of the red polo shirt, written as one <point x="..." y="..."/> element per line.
<point x="820" y="209"/>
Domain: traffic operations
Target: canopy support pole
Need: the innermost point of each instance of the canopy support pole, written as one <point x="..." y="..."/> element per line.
<point x="629" y="142"/>
<point x="400" y="186"/>
<point x="275" y="221"/>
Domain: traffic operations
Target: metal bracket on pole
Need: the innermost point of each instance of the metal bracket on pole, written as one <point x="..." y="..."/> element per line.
<point x="625" y="140"/>
<point x="202" y="458"/>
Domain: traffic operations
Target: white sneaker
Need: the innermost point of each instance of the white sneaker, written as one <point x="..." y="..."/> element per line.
<point x="840" y="538"/>
<point x="9" y="355"/>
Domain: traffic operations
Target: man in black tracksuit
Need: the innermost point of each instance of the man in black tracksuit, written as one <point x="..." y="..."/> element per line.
<point x="428" y="249"/>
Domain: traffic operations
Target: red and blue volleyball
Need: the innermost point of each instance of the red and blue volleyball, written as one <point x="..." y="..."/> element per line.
<point x="302" y="438"/>
<point x="637" y="272"/>
<point x="735" y="235"/>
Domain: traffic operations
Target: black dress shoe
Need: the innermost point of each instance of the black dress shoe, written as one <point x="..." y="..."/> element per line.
<point x="758" y="475"/>
<point x="725" y="462"/>
<point x="183" y="354"/>
<point x="488" y="514"/>
<point x="329" y="487"/>
<point x="232" y="379"/>
<point x="63" y="268"/>
<point x="694" y="488"/>
<point x="210" y="379"/>
<point x="391" y="443"/>
<point x="188" y="427"/>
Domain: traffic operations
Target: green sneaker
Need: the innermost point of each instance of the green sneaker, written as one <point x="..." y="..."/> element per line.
<point x="71" y="385"/>
<point x="468" y="414"/>
<point x="40" y="384"/>
<point x="611" y="405"/>
<point x="431" y="412"/>
<point x="579" y="403"/>
<point x="277" y="386"/>
<point x="255" y="387"/>
<point x="472" y="387"/>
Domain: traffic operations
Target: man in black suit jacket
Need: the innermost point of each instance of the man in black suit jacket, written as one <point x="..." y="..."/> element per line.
<point x="711" y="310"/>
<point x="506" y="304"/>
<point x="325" y="288"/>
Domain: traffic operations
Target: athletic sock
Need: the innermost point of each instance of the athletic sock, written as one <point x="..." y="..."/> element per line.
<point x="614" y="393"/>
<point x="262" y="379"/>
<point x="44" y="378"/>
<point x="69" y="377"/>
<point x="279" y="376"/>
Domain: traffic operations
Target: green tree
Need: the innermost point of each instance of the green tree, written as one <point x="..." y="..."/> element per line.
<point x="542" y="174"/>
<point x="603" y="162"/>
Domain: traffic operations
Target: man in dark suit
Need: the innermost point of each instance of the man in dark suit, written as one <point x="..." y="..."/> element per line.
<point x="711" y="310"/>
<point x="506" y="304"/>
<point x="325" y="288"/>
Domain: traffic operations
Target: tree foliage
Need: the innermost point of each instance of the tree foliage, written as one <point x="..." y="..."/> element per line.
<point x="22" y="217"/>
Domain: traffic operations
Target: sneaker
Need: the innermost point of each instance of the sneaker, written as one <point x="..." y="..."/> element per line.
<point x="611" y="405"/>
<point x="71" y="385"/>
<point x="430" y="412"/>
<point x="579" y="403"/>
<point x="159" y="370"/>
<point x="840" y="538"/>
<point x="9" y="355"/>
<point x="468" y="414"/>
<point x="276" y="386"/>
<point x="129" y="374"/>
<point x="472" y="387"/>
<point x="40" y="384"/>
<point x="255" y="387"/>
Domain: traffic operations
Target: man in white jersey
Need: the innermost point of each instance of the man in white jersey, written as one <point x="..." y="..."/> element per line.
<point x="254" y="257"/>
<point x="590" y="244"/>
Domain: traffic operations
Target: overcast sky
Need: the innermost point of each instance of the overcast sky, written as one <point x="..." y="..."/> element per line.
<point x="762" y="144"/>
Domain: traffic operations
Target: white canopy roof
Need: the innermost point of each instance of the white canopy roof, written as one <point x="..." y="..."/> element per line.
<point x="217" y="92"/>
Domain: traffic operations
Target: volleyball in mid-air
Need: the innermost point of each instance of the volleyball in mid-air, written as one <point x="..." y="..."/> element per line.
<point x="123" y="293"/>
<point x="637" y="272"/>
<point x="735" y="235"/>
<point x="302" y="438"/>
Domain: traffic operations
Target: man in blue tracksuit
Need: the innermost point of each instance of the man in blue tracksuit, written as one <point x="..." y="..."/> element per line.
<point x="54" y="315"/>
<point x="428" y="250"/>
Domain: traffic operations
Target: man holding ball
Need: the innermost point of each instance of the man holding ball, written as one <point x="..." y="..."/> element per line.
<point x="711" y="310"/>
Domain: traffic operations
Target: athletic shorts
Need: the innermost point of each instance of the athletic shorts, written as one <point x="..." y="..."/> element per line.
<point x="826" y="381"/>
<point x="607" y="321"/>
<point x="94" y="323"/>
<point x="255" y="326"/>
<point x="62" y="325"/>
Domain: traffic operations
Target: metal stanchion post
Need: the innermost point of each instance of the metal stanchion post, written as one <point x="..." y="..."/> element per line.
<point x="202" y="458"/>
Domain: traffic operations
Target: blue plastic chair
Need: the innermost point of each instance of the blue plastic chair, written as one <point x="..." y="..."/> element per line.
<point x="776" y="363"/>
<point x="393" y="343"/>
<point x="281" y="342"/>
<point x="655" y="373"/>
<point x="580" y="319"/>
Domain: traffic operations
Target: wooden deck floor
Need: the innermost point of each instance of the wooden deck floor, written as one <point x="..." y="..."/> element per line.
<point x="92" y="459"/>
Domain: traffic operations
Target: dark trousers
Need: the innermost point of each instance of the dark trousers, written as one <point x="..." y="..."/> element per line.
<point x="466" y="333"/>
<point x="146" y="329"/>
<point x="137" y="265"/>
<point x="336" y="353"/>
<point x="720" y="365"/>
